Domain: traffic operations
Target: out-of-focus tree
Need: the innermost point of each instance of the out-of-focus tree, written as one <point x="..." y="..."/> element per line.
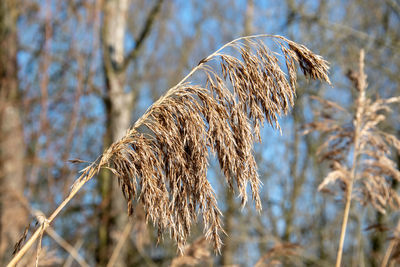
<point x="13" y="216"/>
<point x="119" y="104"/>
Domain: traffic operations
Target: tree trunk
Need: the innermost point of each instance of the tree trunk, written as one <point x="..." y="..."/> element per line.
<point x="13" y="216"/>
<point x="118" y="108"/>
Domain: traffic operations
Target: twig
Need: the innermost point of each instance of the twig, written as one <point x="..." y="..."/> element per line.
<point x="142" y="37"/>
<point x="65" y="245"/>
<point x="70" y="258"/>
<point x="121" y="242"/>
<point x="52" y="233"/>
<point x="39" y="247"/>
<point x="86" y="176"/>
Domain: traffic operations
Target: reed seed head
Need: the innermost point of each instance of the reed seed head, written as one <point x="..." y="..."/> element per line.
<point x="162" y="161"/>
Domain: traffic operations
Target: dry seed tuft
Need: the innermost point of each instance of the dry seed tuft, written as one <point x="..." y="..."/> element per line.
<point x="163" y="159"/>
<point x="375" y="169"/>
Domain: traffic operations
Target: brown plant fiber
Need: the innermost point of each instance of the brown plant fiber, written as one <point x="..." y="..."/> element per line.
<point x="375" y="168"/>
<point x="162" y="160"/>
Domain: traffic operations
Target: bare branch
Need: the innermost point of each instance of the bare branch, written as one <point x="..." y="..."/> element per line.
<point x="132" y="55"/>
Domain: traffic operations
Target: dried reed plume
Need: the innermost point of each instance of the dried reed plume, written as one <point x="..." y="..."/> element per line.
<point x="198" y="252"/>
<point x="279" y="255"/>
<point x="162" y="160"/>
<point x="369" y="174"/>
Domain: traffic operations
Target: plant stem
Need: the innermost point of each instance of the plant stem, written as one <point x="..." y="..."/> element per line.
<point x="390" y="248"/>
<point x="361" y="85"/>
<point x="345" y="217"/>
<point x="85" y="177"/>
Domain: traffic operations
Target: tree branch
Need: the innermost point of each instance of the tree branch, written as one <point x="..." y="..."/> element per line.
<point x="142" y="37"/>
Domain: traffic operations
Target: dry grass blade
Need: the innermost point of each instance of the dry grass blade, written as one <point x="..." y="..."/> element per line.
<point x="17" y="246"/>
<point x="162" y="160"/>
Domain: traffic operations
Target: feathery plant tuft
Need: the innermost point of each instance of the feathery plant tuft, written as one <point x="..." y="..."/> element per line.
<point x="368" y="173"/>
<point x="165" y="164"/>
<point x="162" y="160"/>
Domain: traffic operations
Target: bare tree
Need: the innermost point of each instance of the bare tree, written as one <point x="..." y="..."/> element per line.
<point x="119" y="104"/>
<point x="12" y="149"/>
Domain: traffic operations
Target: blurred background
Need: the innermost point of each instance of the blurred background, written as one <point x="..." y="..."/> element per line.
<point x="74" y="75"/>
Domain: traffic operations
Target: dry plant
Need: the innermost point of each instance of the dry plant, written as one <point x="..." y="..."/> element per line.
<point x="162" y="160"/>
<point x="139" y="227"/>
<point x="392" y="254"/>
<point x="278" y="253"/>
<point x="39" y="215"/>
<point x="194" y="254"/>
<point x="359" y="153"/>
